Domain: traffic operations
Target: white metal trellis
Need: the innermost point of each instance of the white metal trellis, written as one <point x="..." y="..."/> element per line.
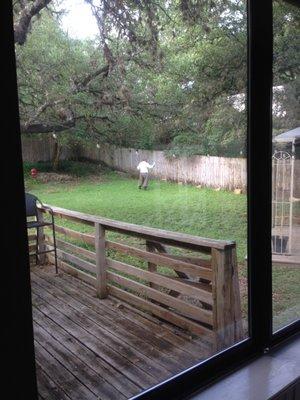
<point x="282" y="202"/>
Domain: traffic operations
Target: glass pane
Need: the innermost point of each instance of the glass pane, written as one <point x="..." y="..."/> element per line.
<point x="286" y="166"/>
<point x="134" y="123"/>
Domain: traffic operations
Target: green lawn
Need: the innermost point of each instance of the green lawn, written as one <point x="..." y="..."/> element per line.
<point x="182" y="208"/>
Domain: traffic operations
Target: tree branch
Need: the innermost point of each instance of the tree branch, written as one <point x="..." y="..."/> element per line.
<point x="41" y="127"/>
<point x="26" y="14"/>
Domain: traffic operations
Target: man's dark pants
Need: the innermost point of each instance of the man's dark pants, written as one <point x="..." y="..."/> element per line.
<point x="143" y="181"/>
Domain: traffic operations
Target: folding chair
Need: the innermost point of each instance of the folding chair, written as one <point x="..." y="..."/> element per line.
<point x="32" y="211"/>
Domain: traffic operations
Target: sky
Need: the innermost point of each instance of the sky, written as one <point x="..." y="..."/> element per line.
<point x="79" y="21"/>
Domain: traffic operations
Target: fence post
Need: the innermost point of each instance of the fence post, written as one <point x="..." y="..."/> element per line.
<point x="227" y="317"/>
<point x="41" y="238"/>
<point x="101" y="283"/>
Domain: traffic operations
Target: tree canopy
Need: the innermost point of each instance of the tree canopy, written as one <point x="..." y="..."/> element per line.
<point x="160" y="74"/>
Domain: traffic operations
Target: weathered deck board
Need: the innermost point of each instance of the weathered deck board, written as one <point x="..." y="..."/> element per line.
<point x="132" y="318"/>
<point x="83" y="372"/>
<point x="117" y="340"/>
<point x="48" y="390"/>
<point x="128" y="366"/>
<point x="62" y="377"/>
<point x="100" y="349"/>
<point x="89" y="357"/>
<point x="158" y="349"/>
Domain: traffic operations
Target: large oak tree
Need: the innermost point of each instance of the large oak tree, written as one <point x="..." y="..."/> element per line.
<point x="160" y="73"/>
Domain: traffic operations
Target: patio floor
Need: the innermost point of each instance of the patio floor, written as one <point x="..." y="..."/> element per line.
<point x="87" y="348"/>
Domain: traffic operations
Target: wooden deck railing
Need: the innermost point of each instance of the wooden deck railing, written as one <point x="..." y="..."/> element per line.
<point x="197" y="293"/>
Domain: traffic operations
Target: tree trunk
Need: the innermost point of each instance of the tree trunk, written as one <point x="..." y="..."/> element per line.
<point x="56" y="156"/>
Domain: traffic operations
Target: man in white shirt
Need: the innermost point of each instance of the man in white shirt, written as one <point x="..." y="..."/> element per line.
<point x="144" y="167"/>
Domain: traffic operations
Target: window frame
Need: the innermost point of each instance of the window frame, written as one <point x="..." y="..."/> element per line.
<point x="259" y="181"/>
<point x="259" y="132"/>
<point x="17" y="344"/>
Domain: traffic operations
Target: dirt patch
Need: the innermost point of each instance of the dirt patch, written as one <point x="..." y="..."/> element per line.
<point x="122" y="174"/>
<point x="46" y="177"/>
<point x="96" y="178"/>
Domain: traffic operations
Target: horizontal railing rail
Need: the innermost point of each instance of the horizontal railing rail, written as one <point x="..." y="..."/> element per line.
<point x="160" y="235"/>
<point x="198" y="292"/>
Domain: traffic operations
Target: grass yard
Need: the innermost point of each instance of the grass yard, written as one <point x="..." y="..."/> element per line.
<point x="182" y="208"/>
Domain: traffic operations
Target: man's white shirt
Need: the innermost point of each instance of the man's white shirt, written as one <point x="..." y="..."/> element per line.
<point x="143" y="167"/>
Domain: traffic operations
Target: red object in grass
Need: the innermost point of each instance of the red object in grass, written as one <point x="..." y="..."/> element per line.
<point x="33" y="172"/>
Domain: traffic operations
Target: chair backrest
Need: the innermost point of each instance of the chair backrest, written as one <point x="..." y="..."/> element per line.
<point x="31" y="208"/>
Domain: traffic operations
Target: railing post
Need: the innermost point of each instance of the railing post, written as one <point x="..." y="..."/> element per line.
<point x="101" y="283"/>
<point x="41" y="238"/>
<point x="227" y="318"/>
<point x="151" y="266"/>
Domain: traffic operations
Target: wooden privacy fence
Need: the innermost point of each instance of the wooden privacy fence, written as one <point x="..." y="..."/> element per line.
<point x="216" y="172"/>
<point x="197" y="293"/>
<point x="41" y="149"/>
<point x="208" y="171"/>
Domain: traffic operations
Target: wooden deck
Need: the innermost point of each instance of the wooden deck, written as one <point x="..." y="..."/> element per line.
<point x="87" y="348"/>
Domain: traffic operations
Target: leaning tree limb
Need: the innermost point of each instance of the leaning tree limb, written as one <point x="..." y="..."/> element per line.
<point x="41" y="127"/>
